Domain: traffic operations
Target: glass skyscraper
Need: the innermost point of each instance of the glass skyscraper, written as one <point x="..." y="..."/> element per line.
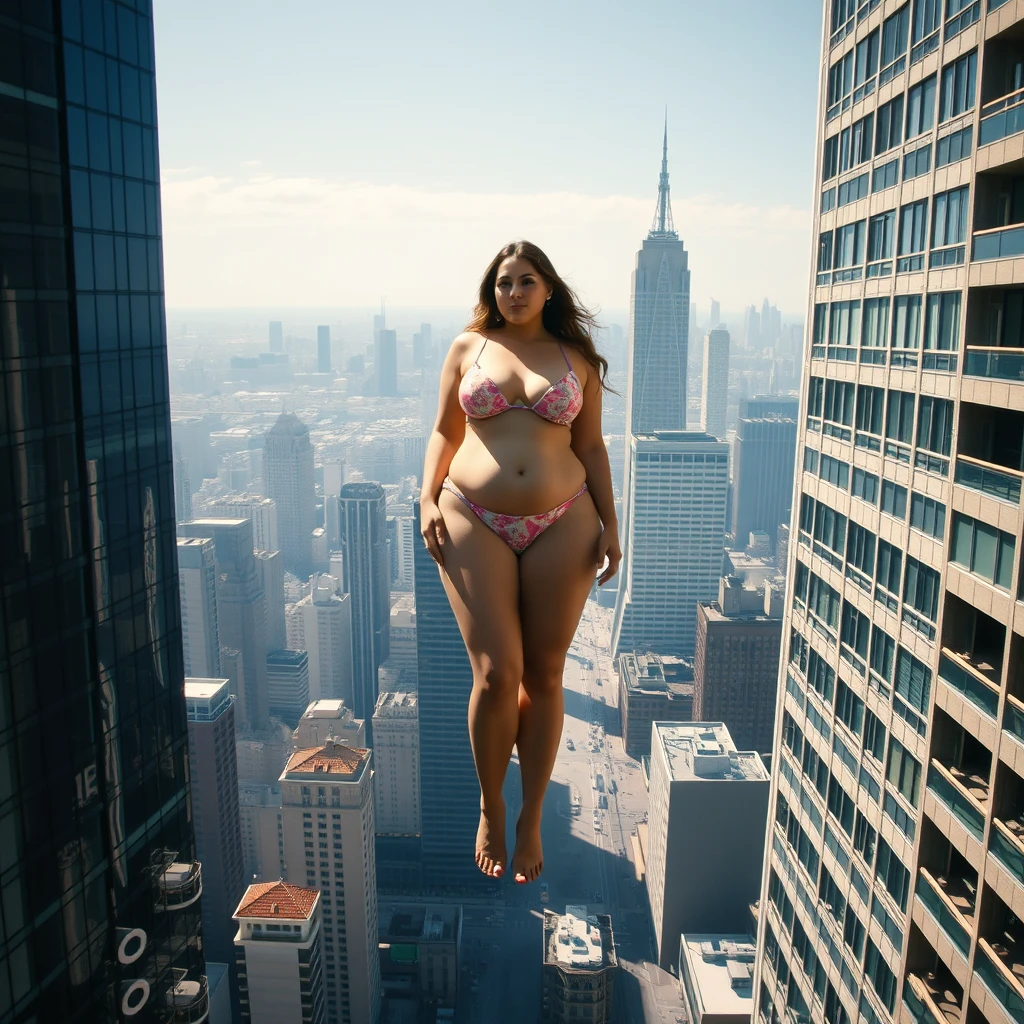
<point x="894" y="882"/>
<point x="99" y="885"/>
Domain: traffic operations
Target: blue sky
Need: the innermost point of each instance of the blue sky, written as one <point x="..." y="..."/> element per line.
<point x="326" y="153"/>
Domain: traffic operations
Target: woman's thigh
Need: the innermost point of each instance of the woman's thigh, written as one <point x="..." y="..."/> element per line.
<point x="556" y="573"/>
<point x="481" y="577"/>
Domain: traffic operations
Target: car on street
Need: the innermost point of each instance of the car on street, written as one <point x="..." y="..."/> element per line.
<point x="569" y="743"/>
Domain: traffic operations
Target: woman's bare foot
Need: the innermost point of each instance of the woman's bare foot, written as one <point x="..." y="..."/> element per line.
<point x="528" y="859"/>
<point x="490" y="842"/>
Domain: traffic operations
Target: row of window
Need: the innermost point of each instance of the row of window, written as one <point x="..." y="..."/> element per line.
<point x="885" y="321"/>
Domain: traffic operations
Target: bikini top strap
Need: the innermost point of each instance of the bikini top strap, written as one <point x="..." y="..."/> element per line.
<point x="476" y="362"/>
<point x="564" y="356"/>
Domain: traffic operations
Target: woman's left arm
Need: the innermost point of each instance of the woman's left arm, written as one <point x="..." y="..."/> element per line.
<point x="589" y="447"/>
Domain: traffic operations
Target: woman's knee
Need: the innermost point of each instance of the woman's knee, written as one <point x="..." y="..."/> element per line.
<point x="500" y="677"/>
<point x="543" y="673"/>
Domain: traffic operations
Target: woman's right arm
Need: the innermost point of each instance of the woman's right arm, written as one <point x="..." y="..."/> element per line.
<point x="444" y="441"/>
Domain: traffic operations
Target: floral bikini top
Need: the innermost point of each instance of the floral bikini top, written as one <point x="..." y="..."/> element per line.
<point x="481" y="398"/>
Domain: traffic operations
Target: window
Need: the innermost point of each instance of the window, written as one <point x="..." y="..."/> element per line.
<point x="942" y="325"/>
<point x="830" y="158"/>
<point x="883" y="652"/>
<point x="913" y="227"/>
<point x="927" y="515"/>
<point x="954" y="147"/>
<point x="917" y="162"/>
<point x="816" y="770"/>
<point x="870" y="406"/>
<point x="927" y="15"/>
<point x="906" y="322"/>
<point x="865" y="486"/>
<point x="830" y="528"/>
<point x="839" y="400"/>
<point x="899" y="423"/>
<point x="890" y="567"/>
<point x="895" y="30"/>
<point x="921" y="588"/>
<point x="921" y="107"/>
<point x="894" y="499"/>
<point x="810" y="460"/>
<point x="860" y="548"/>
<point x="881" y="233"/>
<point x="841" y="805"/>
<point x="983" y="549"/>
<point x="893" y="874"/>
<point x="844" y="323"/>
<point x="958" y="86"/>
<point x="835" y="471"/>
<point x="823" y="602"/>
<point x="815" y="396"/>
<point x="849" y="707"/>
<point x="849" y="245"/>
<point x="889" y="125"/>
<point x="874" y="739"/>
<point x="854" y="632"/>
<point x="882" y="979"/>
<point x="875" y="330"/>
<point x="865" y="64"/>
<point x="820" y="323"/>
<point x="904" y="773"/>
<point x="949" y="222"/>
<point x="935" y="424"/>
<point x="913" y="680"/>
<point x="855" y="143"/>
<point x="840" y="79"/>
<point x="806" y="513"/>
<point x="825" y="251"/>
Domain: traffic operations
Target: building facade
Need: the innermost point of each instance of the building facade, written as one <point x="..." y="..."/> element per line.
<point x="197" y="581"/>
<point x="396" y="759"/>
<point x="262" y="511"/>
<point x="94" y="745"/>
<point x="420" y="954"/>
<point x="321" y="624"/>
<point x="578" y="968"/>
<point x="288" y="477"/>
<point x="324" y="719"/>
<point x="679" y="481"/>
<point x="716" y="977"/>
<point x="904" y="625"/>
<point x="715" y="388"/>
<point x="288" y="685"/>
<point x="652" y="688"/>
<point x="271" y="568"/>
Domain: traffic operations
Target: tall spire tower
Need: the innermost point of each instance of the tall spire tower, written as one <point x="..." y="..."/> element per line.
<point x="663" y="226"/>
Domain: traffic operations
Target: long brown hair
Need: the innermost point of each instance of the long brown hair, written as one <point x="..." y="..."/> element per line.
<point x="564" y="316"/>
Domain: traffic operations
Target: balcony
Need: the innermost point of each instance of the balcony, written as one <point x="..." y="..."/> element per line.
<point x="1002" y="118"/>
<point x="1002" y="484"/>
<point x="998" y="243"/>
<point x="957" y="671"/>
<point x="180" y="886"/>
<point x="188" y="1000"/>
<point x="1006" y="843"/>
<point x="957" y="799"/>
<point x="995" y="363"/>
<point x="939" y="905"/>
<point x="932" y="998"/>
<point x="1000" y="981"/>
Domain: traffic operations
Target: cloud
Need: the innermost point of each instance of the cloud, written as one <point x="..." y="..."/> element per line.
<point x="267" y="239"/>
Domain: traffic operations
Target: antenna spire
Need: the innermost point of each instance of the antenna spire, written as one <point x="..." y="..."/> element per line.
<point x="662" y="227"/>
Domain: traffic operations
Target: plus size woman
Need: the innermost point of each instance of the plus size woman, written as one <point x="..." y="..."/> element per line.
<point x="517" y="510"/>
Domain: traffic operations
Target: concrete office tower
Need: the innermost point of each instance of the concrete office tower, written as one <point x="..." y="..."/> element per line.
<point x="708" y="814"/>
<point x="323" y="348"/>
<point x="271" y="567"/>
<point x="652" y="688"/>
<point x="327" y="796"/>
<point x="715" y="388"/>
<point x="288" y="684"/>
<point x="422" y="347"/>
<point x="241" y="610"/>
<point x="396" y="758"/>
<point x="716" y="974"/>
<point x="182" y="488"/>
<point x="904" y="625"/>
<point x="659" y="323"/>
<point x="276" y="336"/>
<point x="736" y="664"/>
<point x="385" y="363"/>
<point x="449" y="791"/>
<point x="214" y="773"/>
<point x="579" y="967"/>
<point x="197" y="583"/>
<point x="288" y="474"/>
<point x="280" y="955"/>
<point x="430" y="976"/>
<point x="763" y="454"/>
<point x="324" y="719"/>
<point x="406" y="536"/>
<point x="715" y="319"/>
<point x="367" y="581"/>
<point x="674" y="542"/>
<point x="262" y="511"/>
<point x="99" y="850"/>
<point x="321" y="623"/>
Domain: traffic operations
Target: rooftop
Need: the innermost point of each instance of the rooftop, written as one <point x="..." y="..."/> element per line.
<point x="287" y="657"/>
<point x="681" y="436"/>
<point x="397" y="705"/>
<point x="278" y="901"/>
<point x="704" y="751"/>
<point x="657" y="674"/>
<point x="578" y="940"/>
<point x="720" y="968"/>
<point x="206" y="699"/>
<point x="333" y="758"/>
<point x="288" y="424"/>
<point x="412" y="921"/>
<point x="326" y="708"/>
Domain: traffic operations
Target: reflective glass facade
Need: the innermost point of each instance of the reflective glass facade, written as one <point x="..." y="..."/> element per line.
<point x="96" y="923"/>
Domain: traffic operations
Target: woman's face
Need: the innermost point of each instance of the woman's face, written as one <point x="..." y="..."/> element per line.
<point x="519" y="290"/>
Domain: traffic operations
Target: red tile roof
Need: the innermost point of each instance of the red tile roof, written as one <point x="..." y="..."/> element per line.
<point x="278" y="900"/>
<point x="333" y="758"/>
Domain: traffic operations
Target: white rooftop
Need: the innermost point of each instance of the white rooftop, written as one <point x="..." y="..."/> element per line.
<point x="203" y="689"/>
<point x="578" y="939"/>
<point x="720" y="968"/>
<point x="704" y="751"/>
<point x="325" y="709"/>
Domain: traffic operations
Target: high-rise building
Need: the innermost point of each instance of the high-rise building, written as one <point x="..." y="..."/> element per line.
<point x="422" y="347"/>
<point x="324" y="719"/>
<point x="288" y="472"/>
<point x="432" y="976"/>
<point x="716" y="974"/>
<point x="763" y="454"/>
<point x="326" y="794"/>
<point x="100" y="878"/>
<point x="276" y="336"/>
<point x="288" y="684"/>
<point x="715" y="397"/>
<point x="707" y="822"/>
<point x="197" y="586"/>
<point x="262" y="511"/>
<point x="674" y="541"/>
<point x="367" y="581"/>
<point x="752" y="328"/>
<point x="715" y="320"/>
<point x="396" y="759"/>
<point x="385" y="362"/>
<point x="213" y="768"/>
<point x="903" y="621"/>
<point x="241" y="611"/>
<point x="279" y="950"/>
<point x="271" y="568"/>
<point x="321" y="623"/>
<point x="323" y="348"/>
<point x="736" y="664"/>
<point x="652" y="688"/>
<point x="449" y="790"/>
<point x="659" y="323"/>
<point x="182" y="488"/>
<point x="579" y="966"/>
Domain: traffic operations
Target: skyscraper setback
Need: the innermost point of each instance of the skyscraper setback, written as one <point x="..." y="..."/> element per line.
<point x="892" y="887"/>
<point x="101" y="879"/>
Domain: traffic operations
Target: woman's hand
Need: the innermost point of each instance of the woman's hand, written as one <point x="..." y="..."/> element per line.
<point x="608" y="547"/>
<point x="432" y="530"/>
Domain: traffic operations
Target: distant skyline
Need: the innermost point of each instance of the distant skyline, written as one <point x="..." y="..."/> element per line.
<point x="327" y="155"/>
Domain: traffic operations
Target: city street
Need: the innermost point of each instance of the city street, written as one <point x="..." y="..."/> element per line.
<point x="587" y="859"/>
